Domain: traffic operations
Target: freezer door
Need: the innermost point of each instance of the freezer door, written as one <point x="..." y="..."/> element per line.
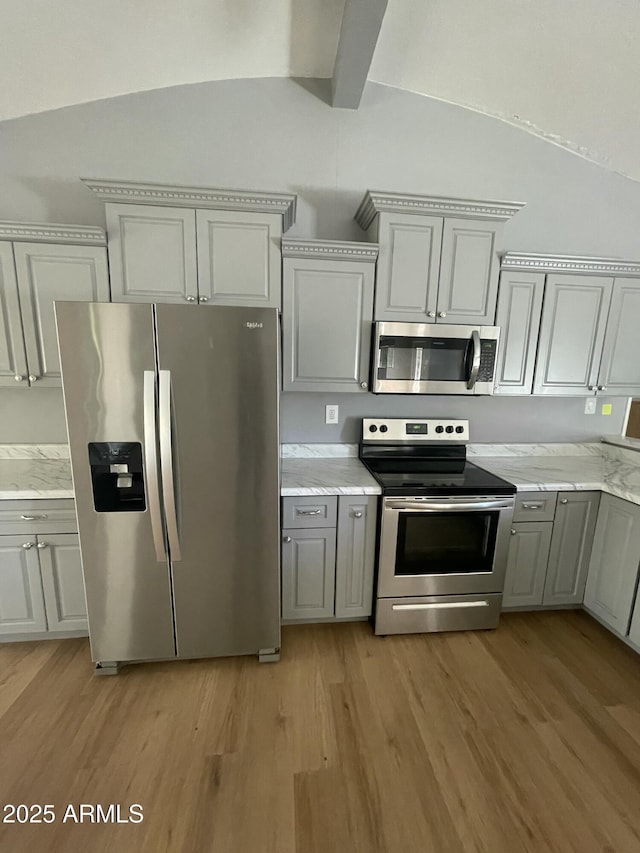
<point x="219" y="418"/>
<point x="107" y="352"/>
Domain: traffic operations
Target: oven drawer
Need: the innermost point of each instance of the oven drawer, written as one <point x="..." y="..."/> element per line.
<point x="316" y="511"/>
<point x="437" y="613"/>
<point x="535" y="506"/>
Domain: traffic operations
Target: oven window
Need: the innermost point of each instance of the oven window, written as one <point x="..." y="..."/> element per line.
<point x="424" y="359"/>
<point x="445" y="543"/>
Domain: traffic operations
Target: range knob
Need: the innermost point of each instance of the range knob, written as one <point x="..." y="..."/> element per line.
<point x="439" y="429"/>
<point x="383" y="428"/>
<point x="459" y="429"/>
<point x="373" y="428"/>
<point x="449" y="429"/>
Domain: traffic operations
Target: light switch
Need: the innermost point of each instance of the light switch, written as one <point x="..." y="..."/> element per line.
<point x="331" y="415"/>
<point x="590" y="406"/>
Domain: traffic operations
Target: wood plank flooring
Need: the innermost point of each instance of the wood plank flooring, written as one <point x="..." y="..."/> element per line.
<point x="522" y="739"/>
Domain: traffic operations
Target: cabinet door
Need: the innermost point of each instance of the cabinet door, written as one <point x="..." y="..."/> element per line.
<point x="613" y="569"/>
<point x="527" y="563"/>
<point x="308" y="573"/>
<point x="326" y="325"/>
<point x="468" y="286"/>
<point x="574" y="316"/>
<point x="620" y="365"/>
<point x="13" y="361"/>
<point x="518" y="315"/>
<point x="152" y="253"/>
<point x="355" y="555"/>
<point x="239" y="258"/>
<point x="408" y="267"/>
<point x="21" y="600"/>
<point x="47" y="273"/>
<point x="62" y="582"/>
<point x="573" y="530"/>
<point x="634" y="630"/>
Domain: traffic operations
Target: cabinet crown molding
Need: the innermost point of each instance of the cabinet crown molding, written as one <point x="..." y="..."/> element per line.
<point x="376" y="202"/>
<point x="47" y="232"/>
<point x="529" y="262"/>
<point x="336" y="249"/>
<point x="204" y="197"/>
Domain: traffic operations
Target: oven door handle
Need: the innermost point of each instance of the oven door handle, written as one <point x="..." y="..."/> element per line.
<point x="475" y="361"/>
<point x="446" y="507"/>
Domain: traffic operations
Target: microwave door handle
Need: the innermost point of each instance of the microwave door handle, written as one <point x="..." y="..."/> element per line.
<point x="475" y="361"/>
<point x="151" y="465"/>
<point x="167" y="465"/>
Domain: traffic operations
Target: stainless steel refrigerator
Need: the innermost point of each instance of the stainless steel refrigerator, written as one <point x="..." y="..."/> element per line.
<point x="172" y="414"/>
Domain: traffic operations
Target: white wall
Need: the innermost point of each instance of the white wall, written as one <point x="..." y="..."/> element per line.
<point x="275" y="134"/>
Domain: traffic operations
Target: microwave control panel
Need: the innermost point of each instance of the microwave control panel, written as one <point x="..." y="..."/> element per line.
<point x="488" y="350"/>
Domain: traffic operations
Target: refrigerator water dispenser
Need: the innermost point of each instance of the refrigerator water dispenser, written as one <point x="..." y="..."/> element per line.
<point x="116" y="476"/>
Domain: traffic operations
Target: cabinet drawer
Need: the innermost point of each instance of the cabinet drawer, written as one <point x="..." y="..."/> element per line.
<point x="315" y="511"/>
<point x="535" y="506"/>
<point x="38" y="516"/>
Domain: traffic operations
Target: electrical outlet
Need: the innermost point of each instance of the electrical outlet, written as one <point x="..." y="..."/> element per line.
<point x="590" y="406"/>
<point x="331" y="415"/>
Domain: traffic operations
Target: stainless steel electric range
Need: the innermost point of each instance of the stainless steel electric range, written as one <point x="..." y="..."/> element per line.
<point x="444" y="528"/>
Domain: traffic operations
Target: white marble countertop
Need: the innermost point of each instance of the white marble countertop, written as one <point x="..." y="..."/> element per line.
<point x="326" y="476"/>
<point x="546" y="473"/>
<point x="26" y="479"/>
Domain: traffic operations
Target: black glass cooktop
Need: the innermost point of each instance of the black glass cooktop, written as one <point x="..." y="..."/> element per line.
<point x="470" y="480"/>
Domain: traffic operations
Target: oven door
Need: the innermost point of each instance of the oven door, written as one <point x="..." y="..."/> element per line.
<point x="443" y="546"/>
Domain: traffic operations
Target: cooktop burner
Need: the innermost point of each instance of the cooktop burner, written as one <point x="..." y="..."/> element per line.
<point x="471" y="481"/>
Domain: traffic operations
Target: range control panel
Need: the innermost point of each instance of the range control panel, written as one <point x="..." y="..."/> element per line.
<point x="414" y="430"/>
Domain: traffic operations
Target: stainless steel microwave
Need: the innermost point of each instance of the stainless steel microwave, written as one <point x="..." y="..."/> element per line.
<point x="430" y="358"/>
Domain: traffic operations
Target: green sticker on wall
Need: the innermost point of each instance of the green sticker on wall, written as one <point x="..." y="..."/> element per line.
<point x="607" y="408"/>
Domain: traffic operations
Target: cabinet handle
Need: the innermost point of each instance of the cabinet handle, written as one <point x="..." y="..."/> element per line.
<point x="357" y="514"/>
<point x="203" y="299"/>
<point x="286" y="539"/>
<point x="591" y="387"/>
<point x="431" y="313"/>
<point x="363" y="385"/>
<point x="33" y="378"/>
<point x="33" y="517"/>
<point x="309" y="512"/>
<point x="19" y="378"/>
<point x="191" y="299"/>
<point x="442" y="314"/>
<point x="564" y="500"/>
<point x="531" y="506"/>
<point x="42" y="545"/>
<point x="602" y="387"/>
<point x="513" y="531"/>
<point x="27" y="545"/>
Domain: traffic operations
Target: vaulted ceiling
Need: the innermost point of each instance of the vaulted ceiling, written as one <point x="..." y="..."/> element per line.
<point x="568" y="71"/>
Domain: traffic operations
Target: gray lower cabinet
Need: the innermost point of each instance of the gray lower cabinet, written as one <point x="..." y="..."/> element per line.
<point x="572" y="332"/>
<point x="527" y="563"/>
<point x="326" y="316"/>
<point x="613" y="569"/>
<point x="62" y="582"/>
<point x="22" y="609"/>
<point x="634" y="629"/>
<point x="620" y="365"/>
<point x="308" y="573"/>
<point x="327" y="570"/>
<point x="33" y="276"/>
<point x="518" y="315"/>
<point x="355" y="556"/>
<point x="573" y="531"/>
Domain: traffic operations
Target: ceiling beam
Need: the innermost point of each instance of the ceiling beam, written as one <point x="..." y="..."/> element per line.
<point x="361" y="23"/>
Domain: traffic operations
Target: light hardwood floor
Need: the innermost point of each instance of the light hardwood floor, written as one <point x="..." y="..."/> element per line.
<point x="522" y="739"/>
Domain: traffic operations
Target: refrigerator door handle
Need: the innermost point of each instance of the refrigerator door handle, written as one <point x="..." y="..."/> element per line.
<point x="166" y="465"/>
<point x="151" y="465"/>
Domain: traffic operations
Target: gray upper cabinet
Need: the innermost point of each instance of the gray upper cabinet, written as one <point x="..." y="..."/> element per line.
<point x="468" y="284"/>
<point x="572" y="331"/>
<point x="518" y="315"/>
<point x="620" y="366"/>
<point x="527" y="563"/>
<point x="326" y="317"/>
<point x="239" y="258"/>
<point x="22" y="608"/>
<point x="152" y="253"/>
<point x="613" y="568"/>
<point x="13" y="361"/>
<point x="573" y="532"/>
<point x="355" y="556"/>
<point x="194" y="244"/>
<point x="438" y="260"/>
<point x="60" y="262"/>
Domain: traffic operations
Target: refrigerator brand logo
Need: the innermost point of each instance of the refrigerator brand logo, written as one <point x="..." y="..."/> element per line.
<point x="253" y="325"/>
